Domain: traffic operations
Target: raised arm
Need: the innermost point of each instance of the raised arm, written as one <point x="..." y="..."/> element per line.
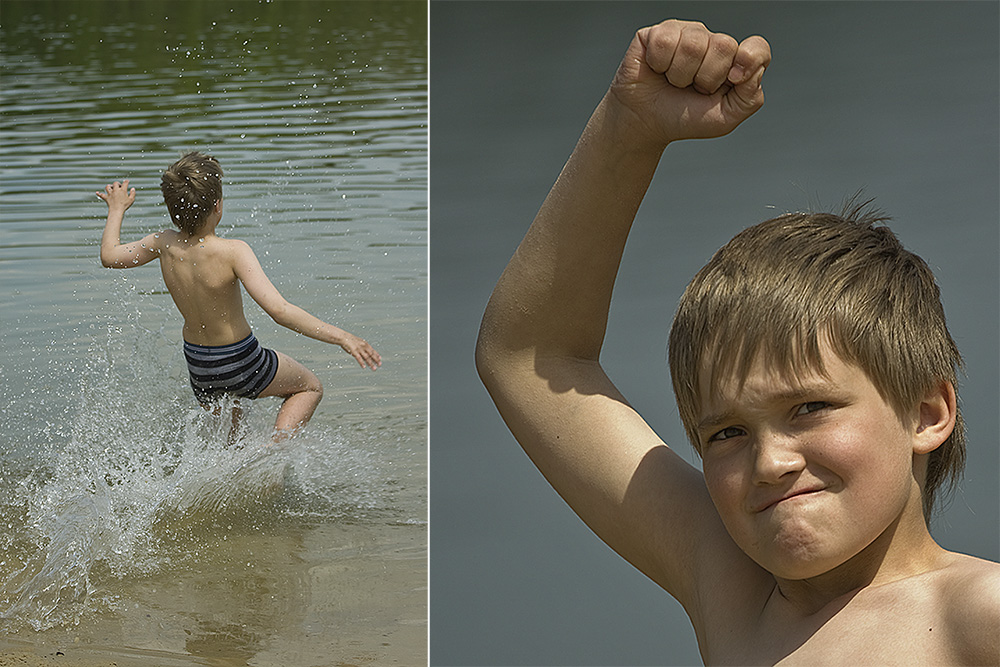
<point x="261" y="290"/>
<point x="544" y="326"/>
<point x="114" y="253"/>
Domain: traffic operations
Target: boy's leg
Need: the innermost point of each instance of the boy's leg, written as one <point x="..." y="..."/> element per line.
<point x="236" y="419"/>
<point x="302" y="392"/>
<point x="234" y="430"/>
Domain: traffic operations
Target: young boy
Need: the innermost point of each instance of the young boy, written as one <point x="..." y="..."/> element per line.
<point x="813" y="372"/>
<point x="203" y="273"/>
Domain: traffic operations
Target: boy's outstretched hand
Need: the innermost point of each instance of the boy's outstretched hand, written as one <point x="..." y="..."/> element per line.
<point x="117" y="195"/>
<point x="681" y="81"/>
<point x="362" y="351"/>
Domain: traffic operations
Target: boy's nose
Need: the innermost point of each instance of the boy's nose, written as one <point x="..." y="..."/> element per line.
<point x="775" y="455"/>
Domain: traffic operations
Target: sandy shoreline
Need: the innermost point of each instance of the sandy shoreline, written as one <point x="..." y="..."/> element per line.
<point x="337" y="595"/>
<point x="18" y="654"/>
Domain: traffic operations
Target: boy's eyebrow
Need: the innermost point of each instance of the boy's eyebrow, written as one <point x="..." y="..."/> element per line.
<point x="784" y="396"/>
<point x="714" y="420"/>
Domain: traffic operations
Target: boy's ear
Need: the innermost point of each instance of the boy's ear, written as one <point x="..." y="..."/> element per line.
<point x="936" y="416"/>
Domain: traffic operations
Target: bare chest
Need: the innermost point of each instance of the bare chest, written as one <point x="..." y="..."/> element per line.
<point x="903" y="630"/>
<point x="870" y="639"/>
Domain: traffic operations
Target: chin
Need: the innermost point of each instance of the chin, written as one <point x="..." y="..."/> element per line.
<point x="798" y="554"/>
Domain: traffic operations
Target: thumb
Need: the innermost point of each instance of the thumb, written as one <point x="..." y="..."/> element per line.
<point x="749" y="95"/>
<point x="752" y="57"/>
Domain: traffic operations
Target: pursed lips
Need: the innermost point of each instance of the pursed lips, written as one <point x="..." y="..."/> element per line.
<point x="793" y="493"/>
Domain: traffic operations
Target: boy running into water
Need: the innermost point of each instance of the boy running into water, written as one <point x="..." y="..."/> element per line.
<point x="814" y="374"/>
<point x="203" y="274"/>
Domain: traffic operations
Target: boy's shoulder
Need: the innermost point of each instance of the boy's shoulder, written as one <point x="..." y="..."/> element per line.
<point x="170" y="236"/>
<point x="967" y="595"/>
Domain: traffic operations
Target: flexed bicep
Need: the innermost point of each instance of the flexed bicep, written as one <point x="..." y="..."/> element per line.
<point x="640" y="497"/>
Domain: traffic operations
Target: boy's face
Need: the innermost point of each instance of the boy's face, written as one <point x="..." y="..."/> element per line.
<point x="806" y="475"/>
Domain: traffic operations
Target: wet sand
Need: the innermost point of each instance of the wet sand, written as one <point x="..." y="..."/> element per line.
<point x="334" y="595"/>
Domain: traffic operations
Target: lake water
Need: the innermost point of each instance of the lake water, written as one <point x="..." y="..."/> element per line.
<point x="126" y="529"/>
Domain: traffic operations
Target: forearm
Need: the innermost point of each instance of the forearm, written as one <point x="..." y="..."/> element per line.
<point x="111" y="238"/>
<point x="554" y="295"/>
<point x="301" y="321"/>
<point x="119" y="198"/>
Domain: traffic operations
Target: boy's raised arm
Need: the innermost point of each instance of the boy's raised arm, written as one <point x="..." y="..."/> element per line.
<point x="114" y="253"/>
<point x="544" y="326"/>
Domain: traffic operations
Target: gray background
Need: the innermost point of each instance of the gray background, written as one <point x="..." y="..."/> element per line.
<point x="900" y="99"/>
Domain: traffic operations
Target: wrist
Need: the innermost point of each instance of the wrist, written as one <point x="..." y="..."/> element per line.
<point x="625" y="129"/>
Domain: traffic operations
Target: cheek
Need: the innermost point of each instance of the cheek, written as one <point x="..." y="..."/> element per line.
<point x="874" y="459"/>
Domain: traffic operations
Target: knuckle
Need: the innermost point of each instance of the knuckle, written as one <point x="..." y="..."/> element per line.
<point x="724" y="44"/>
<point x="692" y="46"/>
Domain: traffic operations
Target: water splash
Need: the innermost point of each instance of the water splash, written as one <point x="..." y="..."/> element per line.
<point x="140" y="480"/>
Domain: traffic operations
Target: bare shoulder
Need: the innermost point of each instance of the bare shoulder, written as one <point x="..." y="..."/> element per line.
<point x="236" y="245"/>
<point x="167" y="236"/>
<point x="236" y="248"/>
<point x="240" y="255"/>
<point x="969" y="593"/>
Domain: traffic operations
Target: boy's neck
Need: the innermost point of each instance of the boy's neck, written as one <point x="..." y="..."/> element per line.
<point x="206" y="229"/>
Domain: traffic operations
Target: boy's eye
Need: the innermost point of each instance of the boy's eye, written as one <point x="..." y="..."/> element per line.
<point x="726" y="433"/>
<point x="812" y="406"/>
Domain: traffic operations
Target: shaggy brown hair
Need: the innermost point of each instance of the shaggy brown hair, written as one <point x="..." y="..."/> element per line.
<point x="778" y="288"/>
<point x="191" y="187"/>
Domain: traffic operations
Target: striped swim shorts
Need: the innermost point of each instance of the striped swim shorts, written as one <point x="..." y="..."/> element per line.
<point x="241" y="369"/>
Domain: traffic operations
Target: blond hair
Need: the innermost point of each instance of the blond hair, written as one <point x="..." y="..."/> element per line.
<point x="778" y="288"/>
<point x="191" y="187"/>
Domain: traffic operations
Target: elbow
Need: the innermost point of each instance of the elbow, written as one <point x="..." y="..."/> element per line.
<point x="282" y="314"/>
<point x="482" y="358"/>
<point x="505" y="353"/>
<point x="107" y="261"/>
<point x="489" y="357"/>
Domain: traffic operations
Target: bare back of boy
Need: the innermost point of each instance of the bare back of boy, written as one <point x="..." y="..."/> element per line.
<point x="898" y="598"/>
<point x="200" y="274"/>
<point x="203" y="274"/>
